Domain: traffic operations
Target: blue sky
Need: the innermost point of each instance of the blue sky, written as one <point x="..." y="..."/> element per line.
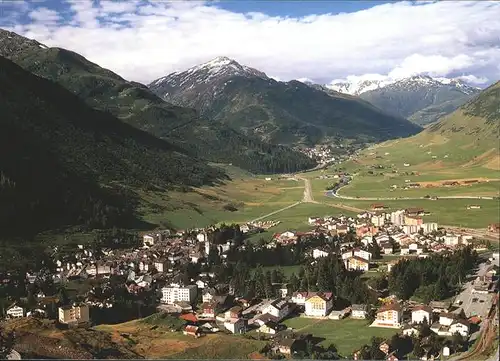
<point x="323" y="41"/>
<point x="297" y="8"/>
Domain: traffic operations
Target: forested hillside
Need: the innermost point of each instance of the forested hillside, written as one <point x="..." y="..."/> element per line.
<point x="136" y="105"/>
<point x="63" y="163"/>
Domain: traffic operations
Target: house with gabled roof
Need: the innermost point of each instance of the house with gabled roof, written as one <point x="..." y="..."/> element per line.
<point x="389" y="315"/>
<point x="421" y="313"/>
<point x="318" y="304"/>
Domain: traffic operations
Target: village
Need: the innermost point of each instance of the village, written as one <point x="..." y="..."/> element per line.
<point x="180" y="273"/>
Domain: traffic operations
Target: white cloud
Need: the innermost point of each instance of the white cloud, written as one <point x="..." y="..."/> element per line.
<point x="442" y="38"/>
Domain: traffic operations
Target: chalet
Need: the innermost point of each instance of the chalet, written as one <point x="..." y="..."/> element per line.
<point x="319" y="252"/>
<point x="446" y="318"/>
<point x="339" y="315"/>
<point x="270" y="328"/>
<point x="460" y="326"/>
<point x="234" y="312"/>
<point x="278" y="308"/>
<point x="235" y="325"/>
<point x="288" y="346"/>
<point x="15" y="311"/>
<point x="359" y="311"/>
<point x="439" y="306"/>
<point x="389" y="315"/>
<point x="357" y="263"/>
<point x="208" y="294"/>
<point x="412" y="212"/>
<point x="192" y="331"/>
<point x="299" y="298"/>
<point x="377" y="207"/>
<point x="409" y="330"/>
<point x="419" y="314"/>
<point x="209" y="309"/>
<point x="357" y="252"/>
<point x="318" y="304"/>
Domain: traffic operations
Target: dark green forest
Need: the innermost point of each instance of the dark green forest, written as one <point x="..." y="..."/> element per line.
<point x="432" y="278"/>
<point x="63" y="163"/>
<point x="136" y="105"/>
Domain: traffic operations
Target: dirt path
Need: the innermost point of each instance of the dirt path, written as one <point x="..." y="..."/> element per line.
<point x="275" y="212"/>
<point x="308" y="194"/>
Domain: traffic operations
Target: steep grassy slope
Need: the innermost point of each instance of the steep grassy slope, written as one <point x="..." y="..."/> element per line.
<point x="64" y="163"/>
<point x="137" y="105"/>
<point x="279" y="112"/>
<point x="467" y="138"/>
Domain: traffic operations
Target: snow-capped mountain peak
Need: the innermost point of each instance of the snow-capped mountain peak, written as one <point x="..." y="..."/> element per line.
<point x="219" y="68"/>
<point x="358" y="87"/>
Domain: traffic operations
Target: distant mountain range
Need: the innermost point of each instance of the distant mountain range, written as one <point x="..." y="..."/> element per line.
<point x="420" y="99"/>
<point x="292" y="112"/>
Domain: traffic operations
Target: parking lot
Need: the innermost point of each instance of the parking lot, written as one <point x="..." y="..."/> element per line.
<point x="475" y="304"/>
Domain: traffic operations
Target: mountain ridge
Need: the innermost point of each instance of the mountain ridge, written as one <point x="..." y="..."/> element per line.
<point x="278" y="112"/>
<point x="135" y="104"/>
<point x="63" y="163"/>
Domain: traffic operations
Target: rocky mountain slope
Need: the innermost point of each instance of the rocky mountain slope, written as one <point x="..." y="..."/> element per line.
<point x="135" y="104"/>
<point x="421" y="99"/>
<point x="247" y="100"/>
<point x="63" y="163"/>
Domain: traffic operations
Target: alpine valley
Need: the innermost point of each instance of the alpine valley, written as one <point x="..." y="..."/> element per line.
<point x="279" y="112"/>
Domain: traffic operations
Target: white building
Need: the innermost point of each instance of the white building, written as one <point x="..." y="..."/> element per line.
<point x="15" y="312"/>
<point x="461" y="327"/>
<point x="362" y="254"/>
<point x="277" y="308"/>
<point x="421" y="313"/>
<point x="235" y="325"/>
<point x="74" y="314"/>
<point x="359" y="311"/>
<point x="171" y="295"/>
<point x="378" y="221"/>
<point x="446" y="319"/>
<point x="149" y="239"/>
<point x="398" y="217"/>
<point x="317" y="253"/>
<point x="451" y="240"/>
<point x="429" y="227"/>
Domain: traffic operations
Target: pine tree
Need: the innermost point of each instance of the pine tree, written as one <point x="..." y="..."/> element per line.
<point x="294" y="283"/>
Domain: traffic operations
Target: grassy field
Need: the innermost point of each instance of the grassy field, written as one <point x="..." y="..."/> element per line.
<point x="348" y="335"/>
<point x="250" y="197"/>
<point x="452" y="212"/>
<point x="380" y="186"/>
<point x="151" y="342"/>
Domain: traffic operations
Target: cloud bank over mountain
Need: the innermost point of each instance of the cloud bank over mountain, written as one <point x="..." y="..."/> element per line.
<point x="143" y="41"/>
